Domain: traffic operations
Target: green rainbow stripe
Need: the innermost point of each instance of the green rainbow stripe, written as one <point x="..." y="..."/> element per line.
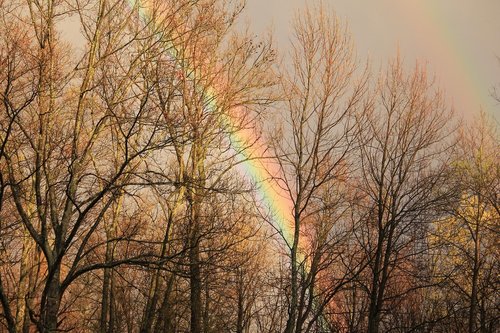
<point x="252" y="157"/>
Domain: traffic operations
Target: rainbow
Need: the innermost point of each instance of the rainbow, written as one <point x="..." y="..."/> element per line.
<point x="253" y="160"/>
<point x="429" y="23"/>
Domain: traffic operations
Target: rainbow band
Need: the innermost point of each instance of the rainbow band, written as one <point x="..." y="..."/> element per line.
<point x="253" y="162"/>
<point x="429" y="23"/>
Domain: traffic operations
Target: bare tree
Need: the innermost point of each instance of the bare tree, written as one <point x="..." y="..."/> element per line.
<point x="321" y="93"/>
<point x="18" y="90"/>
<point x="402" y="151"/>
<point x="468" y="235"/>
<point x="73" y="162"/>
<point x="210" y="86"/>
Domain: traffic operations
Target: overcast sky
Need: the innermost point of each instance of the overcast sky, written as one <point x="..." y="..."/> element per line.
<point x="458" y="39"/>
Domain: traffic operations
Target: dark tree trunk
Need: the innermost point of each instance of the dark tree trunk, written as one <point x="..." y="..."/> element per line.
<point x="11" y="323"/>
<point x="51" y="304"/>
<point x="292" y="310"/>
<point x="195" y="287"/>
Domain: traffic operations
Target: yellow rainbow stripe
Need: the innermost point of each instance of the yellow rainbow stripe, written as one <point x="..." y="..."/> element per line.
<point x="255" y="164"/>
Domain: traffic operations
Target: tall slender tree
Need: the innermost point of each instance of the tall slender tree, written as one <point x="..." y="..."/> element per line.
<point x="322" y="92"/>
<point x="402" y="149"/>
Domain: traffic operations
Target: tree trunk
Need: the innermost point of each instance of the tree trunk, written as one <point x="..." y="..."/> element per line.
<point x="155" y="286"/>
<point x="150" y="308"/>
<point x="194" y="268"/>
<point x="241" y="304"/>
<point x="50" y="308"/>
<point x="106" y="293"/>
<point x="292" y="311"/>
<point x="475" y="278"/>
<point x="11" y="324"/>
<point x="165" y="313"/>
<point x="194" y="198"/>
<point x="373" y="309"/>
<point x="22" y="316"/>
<point x="195" y="287"/>
<point x="206" y="310"/>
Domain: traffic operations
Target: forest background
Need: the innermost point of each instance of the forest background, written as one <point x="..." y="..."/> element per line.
<point x="168" y="170"/>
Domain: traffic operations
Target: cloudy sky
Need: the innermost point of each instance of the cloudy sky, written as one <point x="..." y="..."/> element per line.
<point x="458" y="39"/>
